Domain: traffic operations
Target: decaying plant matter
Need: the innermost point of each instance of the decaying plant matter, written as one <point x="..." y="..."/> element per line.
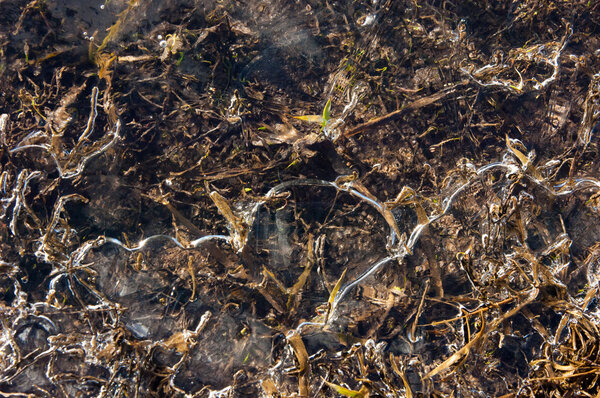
<point x="299" y="199"/>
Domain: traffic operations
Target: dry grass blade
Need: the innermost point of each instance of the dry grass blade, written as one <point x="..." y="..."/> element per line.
<point x="561" y="326"/>
<point x="399" y="372"/>
<point x="193" y="276"/>
<point x="413" y="328"/>
<point x="477" y="311"/>
<point x="299" y="349"/>
<point x="390" y="117"/>
<point x="310" y="118"/>
<point x="408" y="196"/>
<point x="592" y="292"/>
<point x="522" y="158"/>
<point x="237" y="225"/>
<point x="333" y="293"/>
<point x="295" y="291"/>
<point x="385" y="211"/>
<point x="458" y="355"/>
<point x="271" y="275"/>
<point x="269" y="387"/>
<point x="530" y="298"/>
<point x="362" y="393"/>
<point x="591" y="111"/>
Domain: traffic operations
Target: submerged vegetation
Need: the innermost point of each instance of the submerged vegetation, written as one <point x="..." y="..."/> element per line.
<point x="372" y="198"/>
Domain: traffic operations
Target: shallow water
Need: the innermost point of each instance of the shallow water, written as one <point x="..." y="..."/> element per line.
<point x="226" y="199"/>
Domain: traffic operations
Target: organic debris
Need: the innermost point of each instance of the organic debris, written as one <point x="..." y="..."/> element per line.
<point x="299" y="199"/>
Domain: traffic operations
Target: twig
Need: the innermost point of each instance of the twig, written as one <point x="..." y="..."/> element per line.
<point x="416" y="104"/>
